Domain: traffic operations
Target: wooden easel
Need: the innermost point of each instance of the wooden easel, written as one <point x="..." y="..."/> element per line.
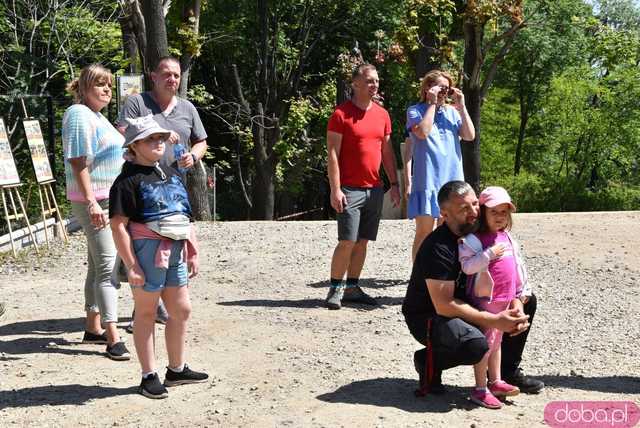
<point x="52" y="210"/>
<point x="8" y="193"/>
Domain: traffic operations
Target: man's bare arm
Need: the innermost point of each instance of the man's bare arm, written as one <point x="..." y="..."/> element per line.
<point x="447" y="305"/>
<point x="389" y="165"/>
<point x="334" y="144"/>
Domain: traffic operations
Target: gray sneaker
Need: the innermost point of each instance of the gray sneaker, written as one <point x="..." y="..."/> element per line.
<point x="356" y="295"/>
<point x="334" y="297"/>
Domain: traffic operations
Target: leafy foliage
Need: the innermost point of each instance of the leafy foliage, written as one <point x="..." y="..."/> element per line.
<point x="564" y="101"/>
<point x="581" y="86"/>
<point x="43" y="45"/>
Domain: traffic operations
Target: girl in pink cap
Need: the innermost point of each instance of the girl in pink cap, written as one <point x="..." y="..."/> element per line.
<point x="496" y="281"/>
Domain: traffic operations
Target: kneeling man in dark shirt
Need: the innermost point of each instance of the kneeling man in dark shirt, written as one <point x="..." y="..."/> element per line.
<point x="434" y="309"/>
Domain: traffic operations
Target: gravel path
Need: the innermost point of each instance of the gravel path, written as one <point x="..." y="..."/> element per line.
<point x="277" y="357"/>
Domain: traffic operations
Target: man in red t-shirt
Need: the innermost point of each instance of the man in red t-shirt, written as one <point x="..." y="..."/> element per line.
<point x="357" y="142"/>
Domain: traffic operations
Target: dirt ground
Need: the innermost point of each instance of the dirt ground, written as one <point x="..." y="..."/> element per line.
<point x="277" y="357"/>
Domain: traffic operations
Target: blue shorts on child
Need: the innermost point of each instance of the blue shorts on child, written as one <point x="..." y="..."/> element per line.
<point x="157" y="278"/>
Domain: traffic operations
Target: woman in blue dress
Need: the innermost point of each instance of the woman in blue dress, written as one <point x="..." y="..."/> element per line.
<point x="435" y="129"/>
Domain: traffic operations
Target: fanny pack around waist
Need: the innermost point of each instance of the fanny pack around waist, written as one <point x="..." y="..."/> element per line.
<point x="176" y="227"/>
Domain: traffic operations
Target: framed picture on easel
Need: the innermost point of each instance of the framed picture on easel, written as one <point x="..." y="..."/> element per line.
<point x="11" y="201"/>
<point x="44" y="176"/>
<point x="127" y="85"/>
<point x="8" y="170"/>
<point x="38" y="151"/>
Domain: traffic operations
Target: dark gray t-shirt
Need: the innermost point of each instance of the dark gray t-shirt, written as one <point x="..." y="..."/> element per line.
<point x="183" y="119"/>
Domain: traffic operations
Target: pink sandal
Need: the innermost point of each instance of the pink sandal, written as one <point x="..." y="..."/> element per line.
<point x="500" y="388"/>
<point x="485" y="399"/>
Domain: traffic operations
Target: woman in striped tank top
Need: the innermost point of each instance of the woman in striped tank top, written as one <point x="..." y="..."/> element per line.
<point x="92" y="150"/>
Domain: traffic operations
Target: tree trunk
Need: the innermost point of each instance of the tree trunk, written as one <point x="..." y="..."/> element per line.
<point x="157" y="47"/>
<point x="246" y="108"/>
<point x="343" y="92"/>
<point x="198" y="177"/>
<point x="471" y="150"/>
<point x="198" y="192"/>
<point x="473" y="35"/>
<point x="524" y="118"/>
<point x="263" y="190"/>
<point x="129" y="43"/>
<point x="265" y="129"/>
<point x="190" y="18"/>
<point x="475" y="87"/>
<point x="425" y="59"/>
<point x="134" y="38"/>
<point x="156" y="33"/>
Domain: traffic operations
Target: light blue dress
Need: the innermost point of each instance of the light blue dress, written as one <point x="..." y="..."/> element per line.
<point x="436" y="159"/>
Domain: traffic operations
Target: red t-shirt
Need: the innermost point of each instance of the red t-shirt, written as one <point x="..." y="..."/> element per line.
<point x="361" y="150"/>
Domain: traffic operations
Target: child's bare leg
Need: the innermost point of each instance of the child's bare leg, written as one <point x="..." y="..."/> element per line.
<point x="178" y="304"/>
<point x="144" y="327"/>
<point x="480" y="371"/>
<point x="494" y="364"/>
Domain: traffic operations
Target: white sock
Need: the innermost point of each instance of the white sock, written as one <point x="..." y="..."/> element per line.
<point x="481" y="388"/>
<point x="147" y="374"/>
<point x="177" y="369"/>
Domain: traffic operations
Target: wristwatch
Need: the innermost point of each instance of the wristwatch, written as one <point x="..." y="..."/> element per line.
<point x="194" y="157"/>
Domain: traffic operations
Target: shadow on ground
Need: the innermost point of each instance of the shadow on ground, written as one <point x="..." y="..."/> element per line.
<point x="311" y="303"/>
<point x="45" y="345"/>
<point x="609" y="384"/>
<point x="398" y="393"/>
<point x="48" y="327"/>
<point x="366" y="283"/>
<point x="302" y="303"/>
<point x="59" y="395"/>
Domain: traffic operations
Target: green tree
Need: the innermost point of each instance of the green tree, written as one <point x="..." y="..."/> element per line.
<point x="482" y="57"/>
<point x="43" y="44"/>
<point x="554" y="39"/>
<point x="144" y="27"/>
<point x="285" y="58"/>
<point x="489" y="29"/>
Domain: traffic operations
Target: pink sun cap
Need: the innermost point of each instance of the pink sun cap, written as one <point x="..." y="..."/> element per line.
<point x="493" y="196"/>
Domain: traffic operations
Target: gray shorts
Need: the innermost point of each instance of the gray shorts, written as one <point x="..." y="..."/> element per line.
<point x="361" y="216"/>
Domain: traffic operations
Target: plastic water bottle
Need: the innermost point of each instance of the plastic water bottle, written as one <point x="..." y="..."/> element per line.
<point x="178" y="151"/>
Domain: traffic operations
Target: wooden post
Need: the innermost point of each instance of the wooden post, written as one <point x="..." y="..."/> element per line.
<point x="57" y="212"/>
<point x="6" y="215"/>
<point x="26" y="219"/>
<point x="44" y="215"/>
<point x="16" y="215"/>
<point x="51" y="210"/>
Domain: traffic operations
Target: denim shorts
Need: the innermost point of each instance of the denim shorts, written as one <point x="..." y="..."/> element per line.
<point x="155" y="278"/>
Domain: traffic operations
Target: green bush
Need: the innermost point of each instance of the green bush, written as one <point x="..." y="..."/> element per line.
<point x="527" y="190"/>
<point x="533" y="193"/>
